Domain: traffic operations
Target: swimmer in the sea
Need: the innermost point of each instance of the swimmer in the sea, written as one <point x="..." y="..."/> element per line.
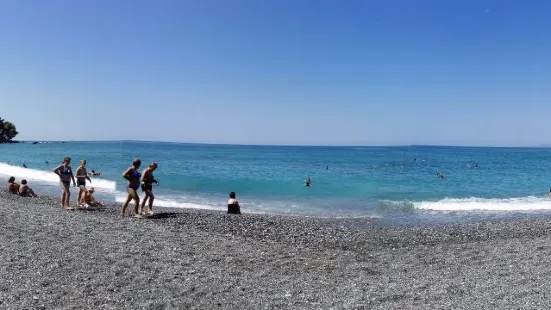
<point x="94" y="173"/>
<point x="24" y="166"/>
<point x="308" y="182"/>
<point x="133" y="176"/>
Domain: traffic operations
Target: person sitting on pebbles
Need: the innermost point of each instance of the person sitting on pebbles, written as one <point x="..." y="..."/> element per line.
<point x="25" y="190"/>
<point x="90" y="201"/>
<point x="233" y="205"/>
<point x="12" y="186"/>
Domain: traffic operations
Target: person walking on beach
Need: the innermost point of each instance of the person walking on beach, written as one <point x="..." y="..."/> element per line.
<point x="65" y="174"/>
<point x="147" y="188"/>
<point x="82" y="176"/>
<point x="132" y="175"/>
<point x="233" y="205"/>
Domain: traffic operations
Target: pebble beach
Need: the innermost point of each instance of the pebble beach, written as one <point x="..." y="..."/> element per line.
<point x="199" y="259"/>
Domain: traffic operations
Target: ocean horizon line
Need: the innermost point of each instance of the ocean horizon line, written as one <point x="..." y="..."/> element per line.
<point x="292" y="145"/>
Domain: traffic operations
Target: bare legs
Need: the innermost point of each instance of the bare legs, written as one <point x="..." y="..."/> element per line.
<point x="65" y="195"/>
<point x="148" y="195"/>
<point x="132" y="195"/>
<point x="80" y="197"/>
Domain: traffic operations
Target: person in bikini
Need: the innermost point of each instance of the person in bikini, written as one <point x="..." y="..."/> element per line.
<point x="133" y="176"/>
<point x="65" y="174"/>
<point x="25" y="190"/>
<point x="12" y="186"/>
<point x="89" y="200"/>
<point x="82" y="176"/>
<point x="233" y="205"/>
<point x="147" y="188"/>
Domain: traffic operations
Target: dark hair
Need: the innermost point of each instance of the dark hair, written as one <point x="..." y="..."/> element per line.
<point x="23" y="181"/>
<point x="232" y="195"/>
<point x="153" y="165"/>
<point x="137" y="162"/>
<point x="11" y="180"/>
<point x="66" y="159"/>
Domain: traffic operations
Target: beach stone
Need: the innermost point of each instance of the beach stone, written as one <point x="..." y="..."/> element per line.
<point x="54" y="259"/>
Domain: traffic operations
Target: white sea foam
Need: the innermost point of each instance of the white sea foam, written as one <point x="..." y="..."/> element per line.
<point x="484" y="204"/>
<point x="47" y="176"/>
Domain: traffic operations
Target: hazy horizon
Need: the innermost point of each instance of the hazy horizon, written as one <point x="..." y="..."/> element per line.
<point x="292" y="145"/>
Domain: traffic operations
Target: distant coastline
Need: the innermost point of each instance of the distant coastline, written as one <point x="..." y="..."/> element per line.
<point x="286" y="145"/>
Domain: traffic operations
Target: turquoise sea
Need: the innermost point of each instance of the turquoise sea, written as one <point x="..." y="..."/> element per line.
<point x="390" y="185"/>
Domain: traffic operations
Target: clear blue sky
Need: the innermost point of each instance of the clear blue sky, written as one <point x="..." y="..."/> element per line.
<point x="469" y="72"/>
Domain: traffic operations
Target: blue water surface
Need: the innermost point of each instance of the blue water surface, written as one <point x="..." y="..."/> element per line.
<point x="397" y="184"/>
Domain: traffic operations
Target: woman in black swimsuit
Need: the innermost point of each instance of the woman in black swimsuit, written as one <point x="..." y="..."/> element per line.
<point x="133" y="176"/>
<point x="147" y="188"/>
<point x="65" y="174"/>
<point x="82" y="176"/>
